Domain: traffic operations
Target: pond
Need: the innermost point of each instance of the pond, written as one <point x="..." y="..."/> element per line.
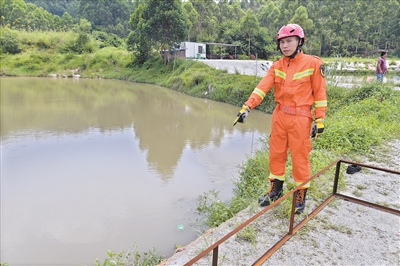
<point x="91" y="165"/>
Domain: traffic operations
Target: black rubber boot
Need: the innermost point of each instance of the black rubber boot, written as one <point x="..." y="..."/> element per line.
<point x="351" y="169"/>
<point x="274" y="193"/>
<point x="301" y="200"/>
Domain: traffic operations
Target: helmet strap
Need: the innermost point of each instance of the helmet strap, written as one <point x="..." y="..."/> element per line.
<point x="295" y="53"/>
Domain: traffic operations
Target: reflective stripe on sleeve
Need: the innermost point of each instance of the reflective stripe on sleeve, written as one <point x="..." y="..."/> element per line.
<point x="259" y="93"/>
<point x="321" y="104"/>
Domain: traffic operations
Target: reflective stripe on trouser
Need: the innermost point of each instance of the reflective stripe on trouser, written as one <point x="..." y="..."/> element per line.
<point x="273" y="177"/>
<point x="293" y="132"/>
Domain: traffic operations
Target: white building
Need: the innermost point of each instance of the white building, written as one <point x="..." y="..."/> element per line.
<point x="194" y="50"/>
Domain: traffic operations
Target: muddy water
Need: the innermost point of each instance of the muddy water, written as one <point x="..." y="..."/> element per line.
<point x="91" y="165"/>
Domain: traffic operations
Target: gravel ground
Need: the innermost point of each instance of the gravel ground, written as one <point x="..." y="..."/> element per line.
<point x="343" y="233"/>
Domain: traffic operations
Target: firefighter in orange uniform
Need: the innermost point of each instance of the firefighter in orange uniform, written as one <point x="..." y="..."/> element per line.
<point x="299" y="84"/>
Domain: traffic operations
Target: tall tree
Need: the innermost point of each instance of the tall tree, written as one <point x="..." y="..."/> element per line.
<point x="192" y="16"/>
<point x="165" y="23"/>
<point x="250" y="26"/>
<point x="207" y="24"/>
<point x="268" y="15"/>
<point x="158" y="24"/>
<point x="137" y="41"/>
<point x="67" y="21"/>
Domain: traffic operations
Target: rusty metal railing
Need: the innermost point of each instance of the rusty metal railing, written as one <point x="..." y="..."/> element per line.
<point x="294" y="228"/>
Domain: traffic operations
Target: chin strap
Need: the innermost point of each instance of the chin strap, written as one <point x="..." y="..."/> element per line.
<point x="295" y="53"/>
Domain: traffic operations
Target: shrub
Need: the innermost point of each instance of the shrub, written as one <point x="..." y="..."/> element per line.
<point x="9" y="42"/>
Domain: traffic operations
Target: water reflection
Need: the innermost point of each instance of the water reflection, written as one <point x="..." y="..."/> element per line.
<point x="90" y="165"/>
<point x="164" y="121"/>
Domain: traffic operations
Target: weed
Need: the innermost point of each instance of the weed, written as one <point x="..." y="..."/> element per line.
<point x="385" y="193"/>
<point x="357" y="193"/>
<point x="383" y="203"/>
<point x="247" y="234"/>
<point x="337" y="227"/>
<point x="315" y="243"/>
<point x="361" y="187"/>
<point x="127" y="258"/>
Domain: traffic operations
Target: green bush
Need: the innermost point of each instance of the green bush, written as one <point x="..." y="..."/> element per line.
<point x="107" y="39"/>
<point x="9" y="42"/>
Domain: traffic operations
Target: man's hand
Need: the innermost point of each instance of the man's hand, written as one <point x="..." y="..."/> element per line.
<point x="317" y="128"/>
<point x="242" y="115"/>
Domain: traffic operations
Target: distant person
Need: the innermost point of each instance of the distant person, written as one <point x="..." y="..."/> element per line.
<point x="381" y="68"/>
<point x="299" y="84"/>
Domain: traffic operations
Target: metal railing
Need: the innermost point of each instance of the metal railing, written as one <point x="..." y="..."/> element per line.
<point x="294" y="228"/>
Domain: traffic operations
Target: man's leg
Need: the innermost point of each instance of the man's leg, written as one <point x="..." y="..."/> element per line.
<point x="277" y="159"/>
<point x="300" y="148"/>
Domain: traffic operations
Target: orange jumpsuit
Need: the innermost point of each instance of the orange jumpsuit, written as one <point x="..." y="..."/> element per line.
<point x="299" y="83"/>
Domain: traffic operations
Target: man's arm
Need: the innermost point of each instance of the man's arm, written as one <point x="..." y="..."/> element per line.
<point x="319" y="90"/>
<point x="265" y="85"/>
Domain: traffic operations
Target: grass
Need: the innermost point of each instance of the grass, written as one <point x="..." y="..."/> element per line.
<point x="247" y="234"/>
<point x="130" y="258"/>
<point x="357" y="193"/>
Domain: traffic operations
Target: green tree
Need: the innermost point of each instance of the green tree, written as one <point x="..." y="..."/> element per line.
<point x="67" y="21"/>
<point x="38" y="18"/>
<point x="192" y="16"/>
<point x="250" y="26"/>
<point x="13" y="12"/>
<point x="164" y="23"/>
<point x="268" y="15"/>
<point x="207" y="25"/>
<point x="137" y="41"/>
<point x="288" y="9"/>
<point x="301" y="18"/>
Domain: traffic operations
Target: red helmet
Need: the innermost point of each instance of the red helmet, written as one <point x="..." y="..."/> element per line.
<point x="290" y="30"/>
